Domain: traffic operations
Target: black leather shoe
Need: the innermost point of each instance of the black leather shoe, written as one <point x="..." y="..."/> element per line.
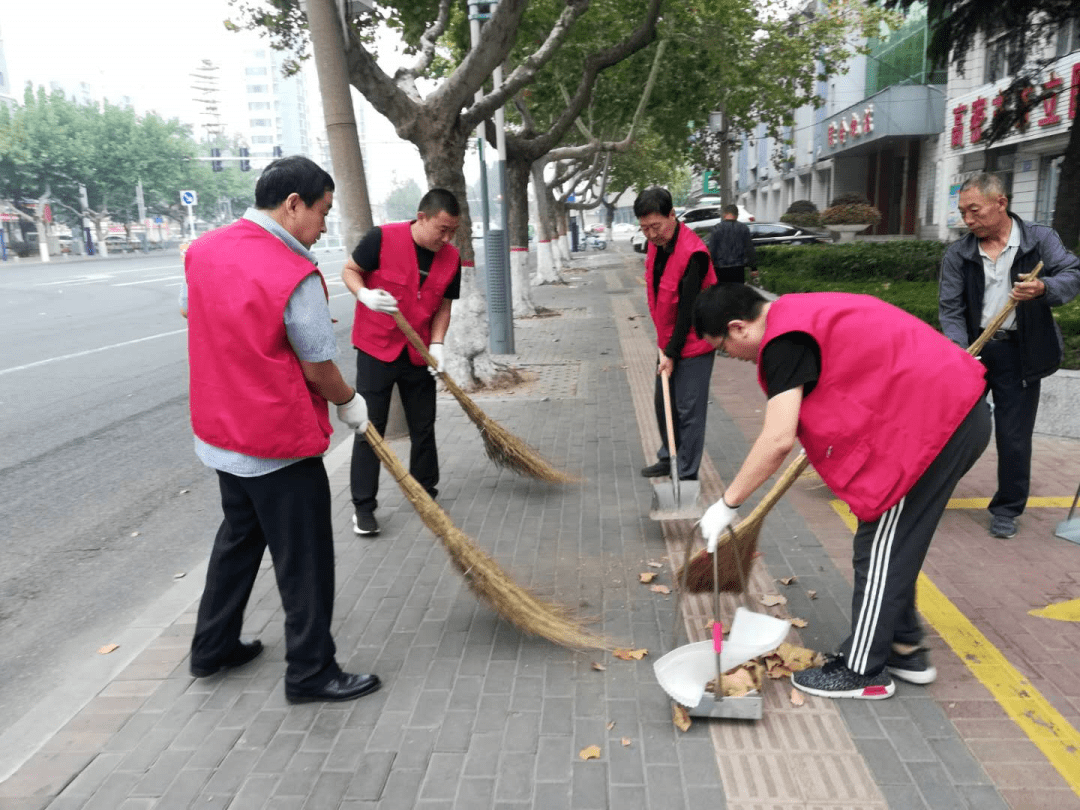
<point x="241" y="654"/>
<point x="345" y="686"/>
<point x="656" y="470"/>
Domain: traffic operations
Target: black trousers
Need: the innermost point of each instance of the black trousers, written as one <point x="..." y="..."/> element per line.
<point x="889" y="551"/>
<point x="690" y="394"/>
<point x="289" y="512"/>
<point x="1015" y="408"/>
<point x="375" y="381"/>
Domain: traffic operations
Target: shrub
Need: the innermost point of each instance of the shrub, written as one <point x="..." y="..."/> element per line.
<point x="900" y="260"/>
<point x="802" y="214"/>
<point x="851" y="208"/>
<point x="20" y="249"/>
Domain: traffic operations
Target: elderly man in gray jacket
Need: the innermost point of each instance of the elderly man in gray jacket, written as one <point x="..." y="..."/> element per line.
<point x="979" y="274"/>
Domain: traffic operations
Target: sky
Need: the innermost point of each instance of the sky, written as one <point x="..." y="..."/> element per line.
<point x="148" y="51"/>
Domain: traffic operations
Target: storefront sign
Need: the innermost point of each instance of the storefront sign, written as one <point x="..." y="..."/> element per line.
<point x="850" y="126"/>
<point x="970" y="116"/>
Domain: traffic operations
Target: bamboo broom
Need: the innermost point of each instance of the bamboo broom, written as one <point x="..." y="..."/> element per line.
<point x="501" y="446"/>
<point x="735" y="552"/>
<point x="485" y="577"/>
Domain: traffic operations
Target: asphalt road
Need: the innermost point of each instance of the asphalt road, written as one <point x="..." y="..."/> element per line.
<point x="104" y="500"/>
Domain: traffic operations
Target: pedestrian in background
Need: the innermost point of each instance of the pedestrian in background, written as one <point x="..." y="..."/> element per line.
<point x="731" y="247"/>
<point x="261" y="347"/>
<point x="979" y="274"/>
<point x="677" y="268"/>
<point x="411" y="267"/>
<point x="891" y="415"/>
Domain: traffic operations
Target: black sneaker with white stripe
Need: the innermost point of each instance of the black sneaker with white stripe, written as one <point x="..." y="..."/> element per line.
<point x="915" y="667"/>
<point x="835" y="680"/>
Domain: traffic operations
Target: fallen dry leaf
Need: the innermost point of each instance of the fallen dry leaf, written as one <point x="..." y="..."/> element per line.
<point x="655" y="564"/>
<point x="660" y="589"/>
<point x="797" y="697"/>
<point x="812" y="594"/>
<point x="179" y="575"/>
<point x="598" y="667"/>
<point x="610" y="725"/>
<point x="626" y="742"/>
<point x="646" y="576"/>
<point x="797" y="622"/>
<point x="628" y="655"/>
<point x="590" y="752"/>
<point x="773" y="599"/>
<point x="134" y="534"/>
<point x="787" y="580"/>
<point x="108" y="648"/>
<point x="680" y="717"/>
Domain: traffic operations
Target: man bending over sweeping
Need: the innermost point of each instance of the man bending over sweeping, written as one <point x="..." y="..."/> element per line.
<point x="891" y="414"/>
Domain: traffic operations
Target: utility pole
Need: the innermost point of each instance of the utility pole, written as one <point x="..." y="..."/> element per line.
<point x="328" y="42"/>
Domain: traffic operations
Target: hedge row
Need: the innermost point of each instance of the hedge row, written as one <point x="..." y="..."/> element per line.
<point x="904" y="273"/>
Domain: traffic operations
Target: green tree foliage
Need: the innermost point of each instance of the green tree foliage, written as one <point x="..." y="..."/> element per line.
<point x="402" y="200"/>
<point x="51" y="144"/>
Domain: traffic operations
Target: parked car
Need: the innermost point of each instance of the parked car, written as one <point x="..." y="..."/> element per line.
<point x="777" y="233"/>
<point x="638" y="242"/>
<point x="117" y="243"/>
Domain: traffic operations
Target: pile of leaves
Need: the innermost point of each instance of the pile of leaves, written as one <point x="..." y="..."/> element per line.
<point x="748" y="677"/>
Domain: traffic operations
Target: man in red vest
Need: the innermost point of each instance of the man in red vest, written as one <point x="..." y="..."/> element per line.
<point x="409" y="267"/>
<point x="261" y="347"/>
<point x="891" y="414"/>
<point x="677" y="268"/>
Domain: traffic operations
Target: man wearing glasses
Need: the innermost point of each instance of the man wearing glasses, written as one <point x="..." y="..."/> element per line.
<point x="677" y="268"/>
<point x="891" y="414"/>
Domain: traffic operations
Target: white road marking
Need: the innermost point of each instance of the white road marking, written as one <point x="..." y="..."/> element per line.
<point x="89" y="351"/>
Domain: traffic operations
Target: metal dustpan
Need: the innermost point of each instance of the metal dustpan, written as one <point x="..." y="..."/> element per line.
<point x="1069" y="529"/>
<point x="675" y="500"/>
<point x="685" y="671"/>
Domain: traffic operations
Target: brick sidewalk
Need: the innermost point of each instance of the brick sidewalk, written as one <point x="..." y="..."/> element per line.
<point x="473" y="715"/>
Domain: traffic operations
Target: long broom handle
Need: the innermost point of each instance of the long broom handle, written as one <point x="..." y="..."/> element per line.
<point x="672" y="453"/>
<point x="414" y="338"/>
<point x="999" y="319"/>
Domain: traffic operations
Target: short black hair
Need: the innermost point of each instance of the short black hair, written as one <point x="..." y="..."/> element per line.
<point x="723" y="303"/>
<point x="653" y="200"/>
<point x="733" y="210"/>
<point x="439" y="199"/>
<point x="288" y="175"/>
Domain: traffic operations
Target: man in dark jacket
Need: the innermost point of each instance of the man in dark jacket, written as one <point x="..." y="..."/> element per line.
<point x="731" y="248"/>
<point x="979" y="274"/>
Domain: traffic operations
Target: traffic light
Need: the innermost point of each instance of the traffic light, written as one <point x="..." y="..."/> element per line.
<point x="245" y="164"/>
<point x="277" y="151"/>
<point x="216" y="164"/>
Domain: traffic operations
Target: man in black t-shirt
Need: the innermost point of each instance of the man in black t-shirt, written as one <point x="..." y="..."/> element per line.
<point x="410" y="265"/>
<point x="891" y="415"/>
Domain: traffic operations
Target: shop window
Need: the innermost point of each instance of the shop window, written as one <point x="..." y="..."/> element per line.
<point x="1068" y="37"/>
<point x="1049" y="175"/>
<point x="1004" y="57"/>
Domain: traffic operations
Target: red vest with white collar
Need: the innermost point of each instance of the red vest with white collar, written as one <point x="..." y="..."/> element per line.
<point x="375" y="333"/>
<point x="892" y="392"/>
<point x="664" y="306"/>
<point x="248" y="392"/>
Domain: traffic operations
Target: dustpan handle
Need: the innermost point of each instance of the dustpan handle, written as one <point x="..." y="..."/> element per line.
<point x="1073" y="507"/>
<point x="718" y="627"/>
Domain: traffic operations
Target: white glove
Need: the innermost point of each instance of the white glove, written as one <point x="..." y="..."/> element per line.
<point x="716" y="518"/>
<point x="354" y="413"/>
<point x="437" y="353"/>
<point x="376" y="300"/>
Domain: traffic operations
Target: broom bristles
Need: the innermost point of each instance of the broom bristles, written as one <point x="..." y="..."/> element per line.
<point x="485" y="577"/>
<point x="500" y="445"/>
<point x="736" y="549"/>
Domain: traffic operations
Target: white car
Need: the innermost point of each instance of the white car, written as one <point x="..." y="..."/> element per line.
<point x="638" y="242"/>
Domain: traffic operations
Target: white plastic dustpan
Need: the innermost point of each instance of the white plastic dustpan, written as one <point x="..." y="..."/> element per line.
<point x="685" y="671"/>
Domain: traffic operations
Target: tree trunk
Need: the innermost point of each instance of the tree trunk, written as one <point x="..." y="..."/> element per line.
<point x="517" y="192"/>
<point x="1067" y="204"/>
<point x="547" y="268"/>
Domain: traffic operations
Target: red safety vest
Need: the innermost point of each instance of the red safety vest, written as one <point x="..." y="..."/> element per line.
<point x="375" y="333"/>
<point x="664" y="307"/>
<point x="892" y="392"/>
<point x="248" y="392"/>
